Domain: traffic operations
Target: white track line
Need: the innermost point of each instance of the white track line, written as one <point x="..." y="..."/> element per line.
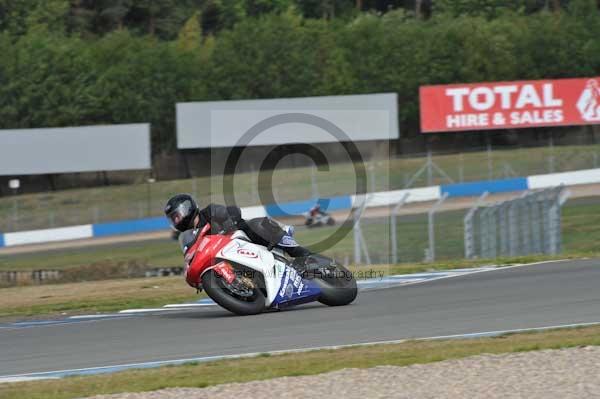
<point x="189" y="305"/>
<point x="97" y="316"/>
<point x="134" y="311"/>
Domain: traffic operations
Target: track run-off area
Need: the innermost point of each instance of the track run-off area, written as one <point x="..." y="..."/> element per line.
<point x="462" y="303"/>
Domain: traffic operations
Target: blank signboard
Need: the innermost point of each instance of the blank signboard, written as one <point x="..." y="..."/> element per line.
<point x="225" y="123"/>
<point x="74" y="149"/>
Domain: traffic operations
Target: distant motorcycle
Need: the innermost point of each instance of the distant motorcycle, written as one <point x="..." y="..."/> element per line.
<point x="246" y="278"/>
<point x="318" y="219"/>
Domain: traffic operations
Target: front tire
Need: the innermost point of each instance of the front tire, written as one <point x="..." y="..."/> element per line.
<point x="217" y="289"/>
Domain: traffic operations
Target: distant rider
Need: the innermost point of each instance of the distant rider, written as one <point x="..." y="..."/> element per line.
<point x="186" y="217"/>
<point x="316" y="210"/>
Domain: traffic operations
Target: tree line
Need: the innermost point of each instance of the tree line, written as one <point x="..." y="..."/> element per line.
<point x="81" y="62"/>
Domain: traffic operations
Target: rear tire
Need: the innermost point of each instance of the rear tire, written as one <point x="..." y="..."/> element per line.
<point x="216" y="289"/>
<point x="337" y="288"/>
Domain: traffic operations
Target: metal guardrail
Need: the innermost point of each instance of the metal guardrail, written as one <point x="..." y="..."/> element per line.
<point x="528" y="224"/>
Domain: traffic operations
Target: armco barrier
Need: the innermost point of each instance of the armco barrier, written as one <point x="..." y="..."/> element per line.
<point x="299" y="207"/>
<point x="153" y="224"/>
<point x="588" y="176"/>
<point x="387" y="198"/>
<point x="129" y="226"/>
<point x="251" y="212"/>
<point x="479" y="187"/>
<point x="48" y="235"/>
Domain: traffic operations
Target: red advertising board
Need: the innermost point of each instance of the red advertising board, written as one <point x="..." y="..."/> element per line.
<point x="510" y="105"/>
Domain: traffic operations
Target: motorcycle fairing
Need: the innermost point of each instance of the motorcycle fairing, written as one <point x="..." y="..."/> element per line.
<point x="294" y="290"/>
<point x="281" y="281"/>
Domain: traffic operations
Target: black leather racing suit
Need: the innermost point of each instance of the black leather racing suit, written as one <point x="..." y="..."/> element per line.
<point x="262" y="231"/>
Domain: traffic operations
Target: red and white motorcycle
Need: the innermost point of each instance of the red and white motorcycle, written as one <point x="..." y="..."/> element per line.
<point x="246" y="278"/>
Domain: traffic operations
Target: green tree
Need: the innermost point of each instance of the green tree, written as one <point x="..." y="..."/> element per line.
<point x="162" y="18"/>
<point x="190" y="36"/>
<point x="111" y="14"/>
<point x="485" y="8"/>
<point x="50" y="16"/>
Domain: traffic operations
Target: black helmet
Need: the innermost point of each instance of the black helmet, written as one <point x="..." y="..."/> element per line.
<point x="181" y="210"/>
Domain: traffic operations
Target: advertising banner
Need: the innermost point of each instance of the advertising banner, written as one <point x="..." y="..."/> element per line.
<point x="510" y="105"/>
<point x="75" y="149"/>
<point x="221" y="124"/>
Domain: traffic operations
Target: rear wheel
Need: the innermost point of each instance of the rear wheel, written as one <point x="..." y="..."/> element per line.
<point x="243" y="296"/>
<point x="338" y="286"/>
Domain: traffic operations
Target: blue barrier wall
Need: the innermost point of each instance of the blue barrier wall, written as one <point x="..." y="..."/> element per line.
<point x="129" y="226"/>
<point x="299" y="207"/>
<point x="479" y="187"/>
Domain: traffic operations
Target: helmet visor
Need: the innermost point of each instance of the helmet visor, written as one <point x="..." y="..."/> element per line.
<point x="181" y="215"/>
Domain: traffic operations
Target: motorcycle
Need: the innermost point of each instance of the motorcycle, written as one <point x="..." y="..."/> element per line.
<point x="318" y="220"/>
<point x="246" y="278"/>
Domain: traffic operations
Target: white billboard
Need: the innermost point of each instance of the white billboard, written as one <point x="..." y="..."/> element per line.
<point x="74" y="149"/>
<point x="289" y="120"/>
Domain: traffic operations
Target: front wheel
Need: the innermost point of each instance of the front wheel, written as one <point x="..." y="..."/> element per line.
<point x="242" y="297"/>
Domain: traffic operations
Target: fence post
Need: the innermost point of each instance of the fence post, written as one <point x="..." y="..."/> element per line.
<point x="429" y="169"/>
<point x="546" y="224"/>
<point x="534" y="214"/>
<point x="469" y="226"/>
<point x="356" y="236"/>
<point x="393" y="234"/>
<point x="431" y="227"/>
<point x="461" y="168"/>
<point x="364" y="246"/>
<point x="15" y="213"/>
<point x="254" y="184"/>
<point x="555" y="223"/>
<point x="492" y="233"/>
<point x="551" y="157"/>
<point x="313" y="182"/>
<point x="489" y="159"/>
<point x="523" y="226"/>
<point x="513" y="231"/>
<point x="483" y="233"/>
<point x="501" y="223"/>
<point x="357" y="233"/>
<point x="195" y="187"/>
<point x="372" y="178"/>
<point x="96" y="214"/>
<point x="562" y="198"/>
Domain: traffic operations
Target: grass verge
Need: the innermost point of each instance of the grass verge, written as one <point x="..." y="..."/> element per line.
<point x="114" y="295"/>
<point x="309" y="363"/>
<point x="92" y="297"/>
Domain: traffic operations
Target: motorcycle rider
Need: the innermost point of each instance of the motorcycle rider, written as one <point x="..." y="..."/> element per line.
<point x="185" y="216"/>
<point x="316" y="211"/>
